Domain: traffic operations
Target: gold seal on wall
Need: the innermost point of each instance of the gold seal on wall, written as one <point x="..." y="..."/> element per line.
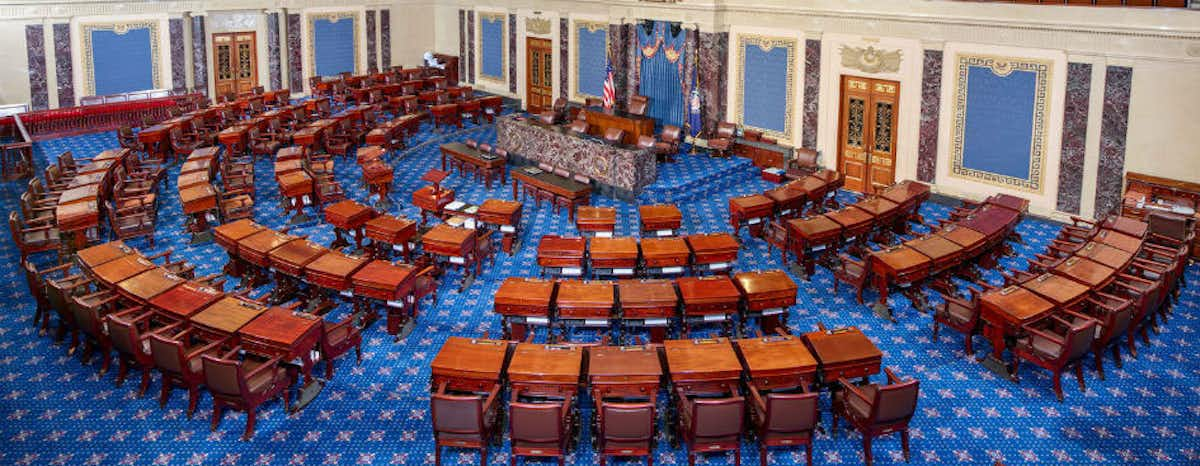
<point x="537" y="25"/>
<point x="871" y="59"/>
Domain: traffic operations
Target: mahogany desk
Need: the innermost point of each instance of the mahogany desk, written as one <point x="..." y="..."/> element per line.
<point x="712" y="252"/>
<point x="393" y="284"/>
<point x="788" y="202"/>
<point x="197" y="201"/>
<point x="708" y="299"/>
<point x="613" y="257"/>
<point x="843" y="353"/>
<point x="972" y="241"/>
<point x="1106" y="255"/>
<point x="1086" y="271"/>
<point x="280" y="333"/>
<point x="297" y="187"/>
<point x="1009" y="201"/>
<point x="257" y="247"/>
<point x="391" y="233"/>
<point x="561" y="255"/>
<point x="1003" y="313"/>
<point x="942" y="253"/>
<point x="899" y="265"/>
<point x="117" y="270"/>
<point x="348" y="216"/>
<point x="187" y="180"/>
<point x="469" y="364"/>
<point x="750" y="210"/>
<point x="93" y="256"/>
<point x="1124" y="225"/>
<point x="572" y="192"/>
<point x="141" y="288"/>
<point x="228" y="235"/>
<point x="703" y="365"/>
<point x="332" y="271"/>
<point x="665" y="256"/>
<point x="651" y="304"/>
<point x="660" y="219"/>
<point x="1063" y="292"/>
<point x="182" y="302"/>
<point x="453" y="245"/>
<point x="491" y="165"/>
<point x="506" y="216"/>
<point x="234" y="139"/>
<point x="814" y="188"/>
<point x="909" y="195"/>
<point x="993" y="222"/>
<point x="225" y="317"/>
<point x="197" y="166"/>
<point x="886" y="213"/>
<point x="634" y="126"/>
<point x="1118" y="240"/>
<point x="433" y="198"/>
<point x="78" y="223"/>
<point x="777" y="362"/>
<point x="521" y="303"/>
<point x="287" y="262"/>
<point x="767" y="294"/>
<point x="378" y="176"/>
<point x="856" y="223"/>
<point x="598" y="221"/>
<point x="809" y="235"/>
<point x="624" y="372"/>
<point x="584" y="303"/>
<point x="551" y="371"/>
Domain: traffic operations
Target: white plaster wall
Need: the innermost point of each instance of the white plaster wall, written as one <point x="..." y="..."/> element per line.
<point x="14" y="76"/>
<point x="1163" y="121"/>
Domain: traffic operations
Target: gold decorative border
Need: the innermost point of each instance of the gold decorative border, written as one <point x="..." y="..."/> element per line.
<point x="503" y="19"/>
<point x="591" y="26"/>
<point x="332" y="17"/>
<point x="89" y="69"/>
<point x="766" y="43"/>
<point x="1003" y="66"/>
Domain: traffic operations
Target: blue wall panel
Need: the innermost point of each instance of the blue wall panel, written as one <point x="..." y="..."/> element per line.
<point x="998" y="137"/>
<point x="593" y="56"/>
<point x="492" y="47"/>
<point x="333" y="46"/>
<point x="122" y="62"/>
<point x="765" y="88"/>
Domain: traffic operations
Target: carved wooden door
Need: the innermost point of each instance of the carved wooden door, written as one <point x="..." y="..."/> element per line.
<point x="539" y="73"/>
<point x="236" y="62"/>
<point x="867" y="133"/>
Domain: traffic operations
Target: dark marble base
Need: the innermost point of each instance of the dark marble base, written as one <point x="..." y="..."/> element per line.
<point x="199" y="56"/>
<point x="273" y="59"/>
<point x="385" y="39"/>
<point x="372" y="64"/>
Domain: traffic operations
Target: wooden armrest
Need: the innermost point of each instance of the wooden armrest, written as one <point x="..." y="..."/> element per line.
<point x="1046" y="335"/>
<point x="490" y="401"/>
<point x="756" y="401"/>
<point x="853" y="389"/>
<point x="1076" y="221"/>
<point x="1078" y="315"/>
<point x="891" y="376"/>
<point x="132" y="310"/>
<point x="1166" y="239"/>
<point x="55" y="269"/>
<point x="271" y="364"/>
<point x="232" y="352"/>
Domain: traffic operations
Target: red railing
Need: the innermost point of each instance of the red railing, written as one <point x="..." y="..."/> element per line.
<point x="69" y="121"/>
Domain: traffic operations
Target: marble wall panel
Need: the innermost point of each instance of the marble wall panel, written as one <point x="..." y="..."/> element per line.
<point x="1075" y="121"/>
<point x="564" y="66"/>
<point x="35" y="44"/>
<point x="385" y="39"/>
<point x="295" y="66"/>
<point x="713" y="55"/>
<point x="812" y="92"/>
<point x="64" y="70"/>
<point x="372" y="64"/>
<point x="462" y="44"/>
<point x="199" y="56"/>
<point x="1113" y="128"/>
<point x="471" y="46"/>
<point x="931" y="94"/>
<point x="274" y="61"/>
<point x="512" y="53"/>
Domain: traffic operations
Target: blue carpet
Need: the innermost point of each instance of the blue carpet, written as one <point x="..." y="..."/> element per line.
<point x="56" y="411"/>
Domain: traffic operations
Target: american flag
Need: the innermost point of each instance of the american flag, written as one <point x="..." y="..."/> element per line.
<point x="610" y="89"/>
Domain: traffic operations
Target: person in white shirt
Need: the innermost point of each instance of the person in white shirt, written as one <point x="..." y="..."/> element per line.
<point x="432" y="62"/>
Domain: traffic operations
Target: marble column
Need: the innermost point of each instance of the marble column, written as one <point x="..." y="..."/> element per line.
<point x="1115" y="123"/>
<point x="471" y="46"/>
<point x="1074" y="137"/>
<point x="616" y="50"/>
<point x="274" y="61"/>
<point x="512" y="53"/>
<point x="372" y="64"/>
<point x="63" y="68"/>
<point x="462" y="45"/>
<point x="385" y="39"/>
<point x="199" y="56"/>
<point x="812" y="92"/>
<point x="35" y="44"/>
<point x="564" y="65"/>
<point x="931" y="103"/>
<point x="295" y="66"/>
<point x="713" y="55"/>
<point x="178" y="59"/>
<point x="633" y="65"/>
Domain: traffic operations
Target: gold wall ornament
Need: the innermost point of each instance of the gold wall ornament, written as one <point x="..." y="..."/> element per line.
<point x="537" y="25"/>
<point x="870" y="59"/>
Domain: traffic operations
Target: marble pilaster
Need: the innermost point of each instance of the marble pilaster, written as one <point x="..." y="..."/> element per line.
<point x="1113" y="128"/>
<point x="1074" y="138"/>
<point x="931" y="103"/>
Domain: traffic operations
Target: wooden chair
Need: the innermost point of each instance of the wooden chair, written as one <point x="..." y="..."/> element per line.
<point x="59" y="293"/>
<point x="875" y="410"/>
<point x="668" y="143"/>
<point x="235" y="207"/>
<point x="578" y="126"/>
<point x="625" y="429"/>
<point x="341" y="141"/>
<point x="34" y="214"/>
<point x="464" y="421"/>
<point x="88" y="311"/>
<point x="68" y="164"/>
<point x="854" y="272"/>
<point x="262" y="144"/>
<point x="470" y="109"/>
<point x="784" y="420"/>
<point x="638" y="104"/>
<point x="614" y="135"/>
<point x="722" y="140"/>
<point x="135" y="221"/>
<point x="38" y="286"/>
<point x="709" y="425"/>
<point x="178" y="360"/>
<point x="804" y="162"/>
<point x="540" y="429"/>
<point x="127" y="332"/>
<point x="959" y="314"/>
<point x="328" y="190"/>
<point x="1113" y="314"/>
<point x="127" y="139"/>
<point x="182" y="145"/>
<point x="32" y="239"/>
<point x="338" y="339"/>
<point x="244" y="385"/>
<point x="1055" y="345"/>
<point x="776" y="236"/>
<point x="593" y="102"/>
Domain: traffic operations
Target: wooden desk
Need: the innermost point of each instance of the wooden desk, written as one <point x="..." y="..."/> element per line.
<point x="182" y="302"/>
<point x="971" y="241"/>
<point x="469" y="364"/>
<point x="942" y="253"/>
<point x="600" y="221"/>
<point x="348" y="216"/>
<point x="885" y="212"/>
<point x="545" y="370"/>
<point x="763" y="154"/>
<point x="844" y="352"/>
<point x="751" y="210"/>
<point x="117" y="270"/>
<point x="624" y="372"/>
<point x="431" y="200"/>
<point x="812" y="234"/>
<point x="1118" y="240"/>
<point x="587" y="303"/>
<point x="140" y="288"/>
<point x="197" y="201"/>
<point x="1129" y="226"/>
<point x="613" y="256"/>
<point x="648" y="303"/>
<point x="1063" y="292"/>
<point x="561" y="255"/>
<point x="101" y="253"/>
<point x="288" y="262"/>
<point x="1106" y="255"/>
<point x="660" y="219"/>
<point x="572" y="192"/>
<point x="491" y="165"/>
<point x="777" y="362"/>
<point x="994" y="222"/>
<point x="634" y="126"/>
<point x="703" y="365"/>
<point x="297" y="187"/>
<point x="1086" y="271"/>
<point x="333" y="270"/>
<point x="187" y="180"/>
<point x="452" y="245"/>
<point x="523" y="302"/>
<point x="712" y="252"/>
<point x="256" y="248"/>
<point x="379" y="176"/>
<point x="225" y="317"/>
<point x="768" y="294"/>
<point x="708" y="299"/>
<point x="900" y="265"/>
<point x="394" y="233"/>
<point x="855" y="222"/>
<point x="909" y="195"/>
<point x="391" y="284"/>
<point x="506" y="216"/>
<point x="1003" y="313"/>
<point x="279" y="333"/>
<point x="228" y="236"/>
<point x="1009" y="201"/>
<point x="665" y="256"/>
<point x="234" y="139"/>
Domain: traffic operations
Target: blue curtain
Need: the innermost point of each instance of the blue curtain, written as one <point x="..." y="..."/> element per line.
<point x="333" y="44"/>
<point x="661" y="65"/>
<point x="122" y="62"/>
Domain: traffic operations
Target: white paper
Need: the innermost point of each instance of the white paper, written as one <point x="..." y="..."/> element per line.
<point x="714" y="317"/>
<point x="572" y="271"/>
<point x="347" y="293"/>
<point x="595" y="322"/>
<point x="666" y="232"/>
<point x="672" y="270"/>
<point x="622" y="271"/>
<point x="754" y="221"/>
<point x="458" y="260"/>
<point x="537" y="320"/>
<point x="718" y="266"/>
<point x="455" y="205"/>
<point x="655" y="322"/>
<point x="397" y="247"/>
<point x="397" y="304"/>
<point x="772" y="311"/>
<point x="604" y="234"/>
<point x="508" y="229"/>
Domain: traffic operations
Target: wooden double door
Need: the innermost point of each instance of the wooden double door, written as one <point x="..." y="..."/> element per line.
<point x="539" y="74"/>
<point x="867" y="133"/>
<point x="235" y="55"/>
